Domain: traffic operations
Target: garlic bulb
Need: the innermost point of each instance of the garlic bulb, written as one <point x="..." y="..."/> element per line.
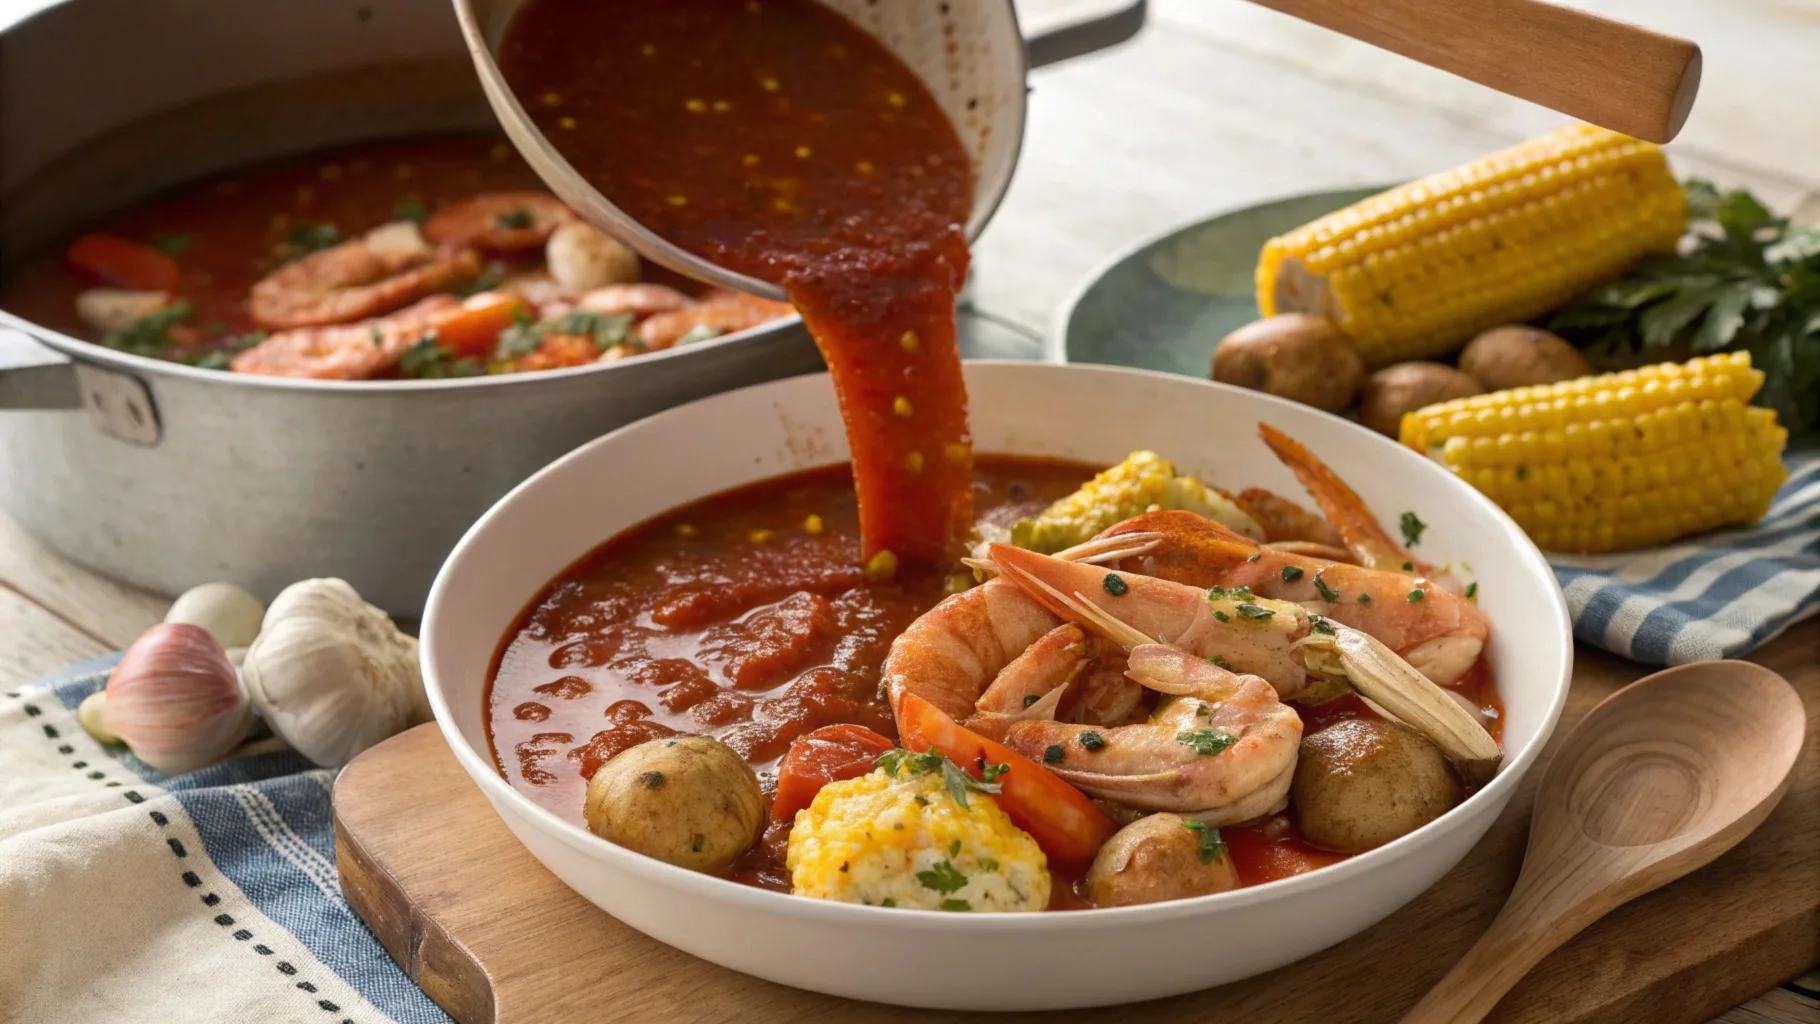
<point x="173" y="699"/>
<point x="331" y="674"/>
<point x="230" y="614"/>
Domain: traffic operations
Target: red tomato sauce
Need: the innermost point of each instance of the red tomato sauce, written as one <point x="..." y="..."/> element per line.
<point x="778" y="139"/>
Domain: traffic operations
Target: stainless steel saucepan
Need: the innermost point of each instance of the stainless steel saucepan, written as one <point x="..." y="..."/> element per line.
<point x="164" y="475"/>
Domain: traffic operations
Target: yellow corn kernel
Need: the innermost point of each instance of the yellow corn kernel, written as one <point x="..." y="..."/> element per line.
<point x="1415" y="271"/>
<point x="813" y="525"/>
<point x="1634" y="460"/>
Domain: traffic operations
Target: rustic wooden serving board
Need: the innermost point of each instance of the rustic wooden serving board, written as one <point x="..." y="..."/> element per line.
<point x="492" y="936"/>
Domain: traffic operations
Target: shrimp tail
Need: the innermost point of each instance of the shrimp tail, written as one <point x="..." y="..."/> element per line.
<point x="1342" y="506"/>
<point x="1149" y="611"/>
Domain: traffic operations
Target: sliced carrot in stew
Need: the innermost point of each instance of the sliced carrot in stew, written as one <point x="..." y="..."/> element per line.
<point x="829" y="754"/>
<point x="1059" y="817"/>
<point x="124" y="263"/>
<point x="473" y="329"/>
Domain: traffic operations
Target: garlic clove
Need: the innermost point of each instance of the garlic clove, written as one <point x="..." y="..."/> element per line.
<point x="175" y="700"/>
<point x="331" y="674"/>
<point x="116" y="309"/>
<point x="92" y="713"/>
<point x="229" y="613"/>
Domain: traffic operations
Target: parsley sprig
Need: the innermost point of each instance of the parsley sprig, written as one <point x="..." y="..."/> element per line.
<point x="954" y="778"/>
<point x="1744" y="279"/>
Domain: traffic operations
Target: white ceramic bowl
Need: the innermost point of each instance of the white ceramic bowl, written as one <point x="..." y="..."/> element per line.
<point x="1002" y="961"/>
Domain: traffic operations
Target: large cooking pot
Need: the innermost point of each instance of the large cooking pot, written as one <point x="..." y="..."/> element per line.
<point x="166" y="476"/>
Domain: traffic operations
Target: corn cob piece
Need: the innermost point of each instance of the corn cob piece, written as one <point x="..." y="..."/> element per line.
<point x="1144" y="482"/>
<point x="1416" y="271"/>
<point x="1616" y="461"/>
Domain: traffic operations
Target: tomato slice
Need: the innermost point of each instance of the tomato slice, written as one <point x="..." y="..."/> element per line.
<point x="829" y="754"/>
<point x="124" y="263"/>
<point x="1059" y="817"/>
<point x="473" y="329"/>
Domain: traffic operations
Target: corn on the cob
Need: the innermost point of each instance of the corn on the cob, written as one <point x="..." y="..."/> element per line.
<point x="1144" y="482"/>
<point x="1617" y="461"/>
<point x="1416" y="271"/>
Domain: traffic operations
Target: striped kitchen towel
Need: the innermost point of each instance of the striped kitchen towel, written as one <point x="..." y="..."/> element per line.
<point x="1719" y="595"/>
<point x="128" y="895"/>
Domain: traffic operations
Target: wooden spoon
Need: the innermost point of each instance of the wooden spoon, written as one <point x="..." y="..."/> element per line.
<point x="1616" y="75"/>
<point x="1659" y="779"/>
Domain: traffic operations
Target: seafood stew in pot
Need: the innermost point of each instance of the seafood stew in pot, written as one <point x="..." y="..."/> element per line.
<point x="418" y="258"/>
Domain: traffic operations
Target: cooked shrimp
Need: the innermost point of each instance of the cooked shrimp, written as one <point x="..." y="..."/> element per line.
<point x="635" y="300"/>
<point x="356" y="351"/>
<point x="354" y="281"/>
<point x="1442" y="634"/>
<point x="1220" y="747"/>
<point x="1047" y="665"/>
<point x="498" y="221"/>
<point x="952" y="652"/>
<point x="1284" y="520"/>
<point x="1237" y="630"/>
<point x="1343" y="507"/>
<point x="722" y="311"/>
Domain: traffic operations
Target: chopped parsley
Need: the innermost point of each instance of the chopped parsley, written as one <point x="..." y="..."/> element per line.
<point x="1114" y="585"/>
<point x="1320" y="625"/>
<point x="376" y="336"/>
<point x="312" y="237"/>
<point x="1364" y="598"/>
<point x="993" y="771"/>
<point x="149" y="335"/>
<point x="1409" y="567"/>
<point x="1212" y="846"/>
<point x="988" y="864"/>
<point x="887" y="902"/>
<point x="1291" y="573"/>
<point x="957" y="905"/>
<point x="942" y="877"/>
<point x="428" y="360"/>
<point x="607" y="331"/>
<point x="1416" y="595"/>
<point x="1522" y="472"/>
<point x="1255" y="557"/>
<point x="513" y="219"/>
<point x="219" y="358"/>
<point x="1222" y="616"/>
<point x="957" y="781"/>
<point x="921" y="800"/>
<point x="1236" y="593"/>
<point x="1093" y="741"/>
<point x="1221" y="661"/>
<point x="1472" y="591"/>
<point x="1327" y="593"/>
<point x="486" y="282"/>
<point x="1252" y="611"/>
<point x="412" y="209"/>
<point x="1412" y="529"/>
<point x="172" y="245"/>
<point x="701" y="332"/>
<point x="954" y="848"/>
<point x="1207" y="741"/>
<point x="1031" y="699"/>
<point x="1053" y="753"/>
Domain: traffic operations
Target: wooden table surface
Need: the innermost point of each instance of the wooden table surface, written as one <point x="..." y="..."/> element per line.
<point x="1217" y="104"/>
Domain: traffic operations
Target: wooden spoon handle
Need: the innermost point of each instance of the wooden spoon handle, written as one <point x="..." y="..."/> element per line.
<point x="1620" y="76"/>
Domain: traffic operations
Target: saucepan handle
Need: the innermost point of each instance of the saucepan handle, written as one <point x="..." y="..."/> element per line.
<point x="1060" y="31"/>
<point x="33" y="376"/>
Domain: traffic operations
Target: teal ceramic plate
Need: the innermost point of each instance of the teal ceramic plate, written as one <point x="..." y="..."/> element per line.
<point x="1165" y="304"/>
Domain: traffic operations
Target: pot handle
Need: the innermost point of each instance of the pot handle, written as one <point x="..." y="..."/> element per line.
<point x="34" y="376"/>
<point x="1060" y="31"/>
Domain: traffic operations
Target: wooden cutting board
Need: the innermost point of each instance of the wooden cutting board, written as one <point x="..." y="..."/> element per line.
<point x="492" y="936"/>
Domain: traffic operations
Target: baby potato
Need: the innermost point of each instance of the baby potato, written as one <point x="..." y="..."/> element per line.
<point x="1518" y="357"/>
<point x="1361" y="782"/>
<point x="1295" y="356"/>
<point x="1406" y="387"/>
<point x="687" y="800"/>
<point x="1156" y="858"/>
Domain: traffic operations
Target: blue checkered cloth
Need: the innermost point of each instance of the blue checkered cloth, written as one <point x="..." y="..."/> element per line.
<point x="1719" y="595"/>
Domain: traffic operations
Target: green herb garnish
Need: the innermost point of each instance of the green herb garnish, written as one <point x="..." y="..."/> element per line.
<point x="172" y="245"/>
<point x="1327" y="593"/>
<point x="1207" y="741"/>
<point x="412" y="209"/>
<point x="942" y="877"/>
<point x="1291" y="574"/>
<point x="954" y="848"/>
<point x="1053" y="754"/>
<point x="992" y="771"/>
<point x="1320" y="625"/>
<point x="1742" y="280"/>
<point x="485" y="282"/>
<point x="312" y="237"/>
<point x="1255" y="557"/>
<point x="149" y="335"/>
<point x="1031" y="699"/>
<point x="1416" y="594"/>
<point x="958" y="782"/>
<point x="1472" y="591"/>
<point x="1364" y="598"/>
<point x="1212" y="846"/>
<point x="1252" y="611"/>
<point x="988" y="864"/>
<point x="1222" y="616"/>
<point x="701" y="332"/>
<point x="1412" y="529"/>
<point x="956" y="905"/>
<point x="1220" y="660"/>
<point x="1114" y="585"/>
<point x="1409" y="566"/>
<point x="428" y="360"/>
<point x="513" y="219"/>
<point x="1093" y="741"/>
